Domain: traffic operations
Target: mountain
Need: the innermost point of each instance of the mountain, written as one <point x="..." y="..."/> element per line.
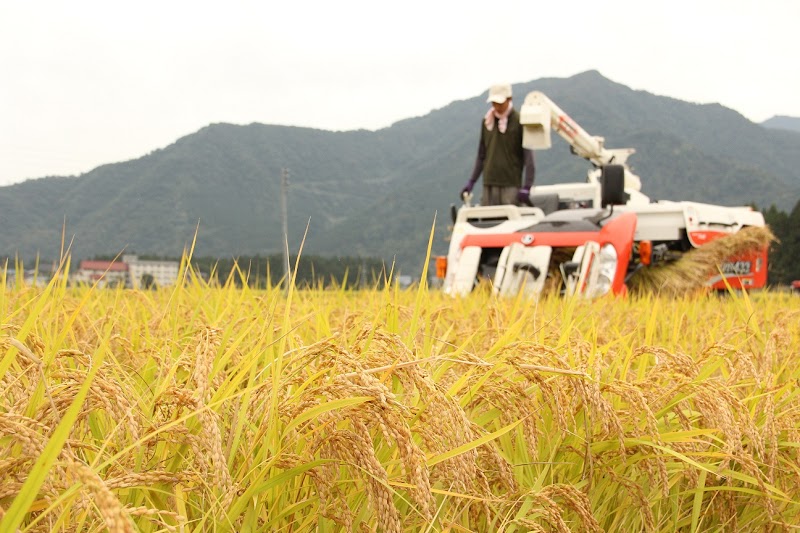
<point x="377" y="193"/>
<point x="783" y="123"/>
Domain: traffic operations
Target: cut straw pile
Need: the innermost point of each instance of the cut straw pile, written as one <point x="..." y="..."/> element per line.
<point x="692" y="271"/>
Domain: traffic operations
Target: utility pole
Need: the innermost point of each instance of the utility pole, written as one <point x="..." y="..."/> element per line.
<point x="284" y="218"/>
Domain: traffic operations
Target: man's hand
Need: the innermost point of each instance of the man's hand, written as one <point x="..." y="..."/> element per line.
<point x="524" y="196"/>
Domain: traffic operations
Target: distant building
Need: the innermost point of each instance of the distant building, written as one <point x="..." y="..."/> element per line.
<point x="104" y="273"/>
<point x="30" y="278"/>
<point x="129" y="272"/>
<point x="142" y="273"/>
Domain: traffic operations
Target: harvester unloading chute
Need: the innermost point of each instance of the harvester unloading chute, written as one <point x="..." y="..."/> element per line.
<point x="540" y="116"/>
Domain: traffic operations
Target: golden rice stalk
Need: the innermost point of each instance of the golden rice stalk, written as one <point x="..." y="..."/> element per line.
<point x="9" y="488"/>
<point x="779" y="342"/>
<point x="396" y="430"/>
<point x="17" y="387"/>
<point x="110" y="508"/>
<point x="385" y="412"/>
<point x="529" y="361"/>
<point x="741" y="365"/>
<point x="691" y="272"/>
<point x="513" y="401"/>
<point x="717" y="402"/>
<point x="211" y="450"/>
<point x="104" y="393"/>
<point x="742" y="444"/>
<point x="211" y="453"/>
<point x="14" y="470"/>
<point x="205" y="439"/>
<point x="21" y="429"/>
<point x="148" y="479"/>
<point x="529" y="525"/>
<point x="354" y="448"/>
<point x="766" y="408"/>
<point x="670" y="362"/>
<point x="205" y="352"/>
<point x="158" y="516"/>
<point x="724" y="506"/>
<point x="549" y="510"/>
<point x="387" y="415"/>
<point x="332" y="503"/>
<point x="637" y="493"/>
<point x="24" y="350"/>
<point x="443" y="425"/>
<point x="378" y="349"/>
<point x="637" y="405"/>
<point x="12" y="465"/>
<point x="588" y="394"/>
<point x="494" y="468"/>
<point x="576" y="501"/>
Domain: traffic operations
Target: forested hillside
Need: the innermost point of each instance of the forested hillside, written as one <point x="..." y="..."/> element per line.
<point x="365" y="193"/>
<point x="783" y="123"/>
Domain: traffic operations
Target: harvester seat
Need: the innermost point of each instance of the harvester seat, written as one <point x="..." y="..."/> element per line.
<point x="547" y="202"/>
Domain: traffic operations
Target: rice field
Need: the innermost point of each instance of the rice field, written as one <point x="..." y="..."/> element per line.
<point x="217" y="408"/>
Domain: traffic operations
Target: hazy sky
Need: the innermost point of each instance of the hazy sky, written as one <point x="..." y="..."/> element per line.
<point x="84" y="83"/>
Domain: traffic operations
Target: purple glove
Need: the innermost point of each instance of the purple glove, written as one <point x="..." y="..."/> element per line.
<point x="524" y="196"/>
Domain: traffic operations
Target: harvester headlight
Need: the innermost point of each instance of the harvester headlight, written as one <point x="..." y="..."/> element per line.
<point x="606" y="270"/>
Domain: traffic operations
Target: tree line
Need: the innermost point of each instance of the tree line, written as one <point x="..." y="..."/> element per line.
<point x="784" y="256"/>
<point x="308" y="271"/>
<point x="358" y="272"/>
<point x="259" y="271"/>
<point x="355" y="272"/>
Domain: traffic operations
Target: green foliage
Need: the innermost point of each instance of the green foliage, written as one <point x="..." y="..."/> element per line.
<point x="784" y="266"/>
<point x="311" y="271"/>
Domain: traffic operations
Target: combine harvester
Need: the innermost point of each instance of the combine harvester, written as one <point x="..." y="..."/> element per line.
<point x="601" y="236"/>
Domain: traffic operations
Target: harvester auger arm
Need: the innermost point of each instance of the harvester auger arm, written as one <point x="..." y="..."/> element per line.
<point x="540" y="115"/>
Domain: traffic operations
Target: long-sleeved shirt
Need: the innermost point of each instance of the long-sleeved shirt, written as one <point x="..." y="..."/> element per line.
<point x="501" y="157"/>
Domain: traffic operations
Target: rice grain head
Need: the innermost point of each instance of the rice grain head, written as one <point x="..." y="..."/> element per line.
<point x="110" y="508"/>
<point x="355" y="449"/>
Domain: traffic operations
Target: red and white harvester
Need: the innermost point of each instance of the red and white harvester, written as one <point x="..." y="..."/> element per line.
<point x="594" y="237"/>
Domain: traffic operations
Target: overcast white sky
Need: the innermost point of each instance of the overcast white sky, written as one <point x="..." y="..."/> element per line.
<point x="84" y="83"/>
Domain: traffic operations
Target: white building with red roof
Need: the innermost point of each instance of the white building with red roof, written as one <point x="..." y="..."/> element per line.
<point x="130" y="272"/>
<point x="104" y="273"/>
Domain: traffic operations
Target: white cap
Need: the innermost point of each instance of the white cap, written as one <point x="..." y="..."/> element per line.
<point x="499" y="93"/>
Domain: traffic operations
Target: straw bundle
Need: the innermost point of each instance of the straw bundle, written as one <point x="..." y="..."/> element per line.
<point x="693" y="270"/>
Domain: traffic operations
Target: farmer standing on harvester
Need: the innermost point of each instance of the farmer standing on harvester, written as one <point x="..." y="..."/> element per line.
<point x="501" y="157"/>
